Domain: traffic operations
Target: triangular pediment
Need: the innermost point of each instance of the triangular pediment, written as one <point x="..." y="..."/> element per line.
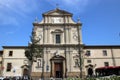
<point x="57" y="12"/>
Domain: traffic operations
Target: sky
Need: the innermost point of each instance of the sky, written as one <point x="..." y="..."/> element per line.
<point x="100" y="19"/>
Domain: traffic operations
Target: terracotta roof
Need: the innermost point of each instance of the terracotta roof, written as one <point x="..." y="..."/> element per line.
<point x="102" y="46"/>
<point x="85" y="46"/>
<point x="15" y="46"/>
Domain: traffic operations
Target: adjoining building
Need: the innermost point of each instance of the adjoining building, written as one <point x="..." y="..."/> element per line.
<point x="61" y="40"/>
<point x="1" y="59"/>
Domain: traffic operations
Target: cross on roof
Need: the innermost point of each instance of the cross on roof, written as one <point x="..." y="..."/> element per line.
<point x="57" y="6"/>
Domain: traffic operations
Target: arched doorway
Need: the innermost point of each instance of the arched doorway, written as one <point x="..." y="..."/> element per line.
<point x="25" y="69"/>
<point x="89" y="69"/>
<point x="58" y="69"/>
<point x="90" y="72"/>
<point x="57" y="66"/>
<point x="25" y="72"/>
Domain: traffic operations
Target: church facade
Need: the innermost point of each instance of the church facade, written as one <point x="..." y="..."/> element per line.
<point x="65" y="55"/>
<point x="58" y="35"/>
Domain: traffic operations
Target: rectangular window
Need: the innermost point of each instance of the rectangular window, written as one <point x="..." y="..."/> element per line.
<point x="39" y="63"/>
<point x="57" y="38"/>
<point x="9" y="67"/>
<point x="76" y="62"/>
<point x="88" y="61"/>
<point x="10" y="53"/>
<point x="0" y="62"/>
<point x="106" y="63"/>
<point x="104" y="53"/>
<point x="88" y="53"/>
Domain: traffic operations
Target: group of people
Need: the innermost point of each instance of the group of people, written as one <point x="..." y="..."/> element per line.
<point x="17" y="78"/>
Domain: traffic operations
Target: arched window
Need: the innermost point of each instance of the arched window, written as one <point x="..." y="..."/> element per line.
<point x="57" y="36"/>
<point x="76" y="62"/>
<point x="39" y="63"/>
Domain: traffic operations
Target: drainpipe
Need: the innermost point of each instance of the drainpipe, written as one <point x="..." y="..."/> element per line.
<point x="113" y="58"/>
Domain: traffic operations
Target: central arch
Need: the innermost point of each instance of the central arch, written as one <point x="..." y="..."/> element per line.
<point x="90" y="71"/>
<point x="57" y="66"/>
<point x="25" y="70"/>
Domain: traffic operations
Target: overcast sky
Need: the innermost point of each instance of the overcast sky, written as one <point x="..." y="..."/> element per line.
<point x="100" y="19"/>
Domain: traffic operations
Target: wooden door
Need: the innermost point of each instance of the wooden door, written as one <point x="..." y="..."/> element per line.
<point x="58" y="70"/>
<point x="25" y="72"/>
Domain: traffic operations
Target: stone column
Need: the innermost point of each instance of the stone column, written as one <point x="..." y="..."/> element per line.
<point x="67" y="37"/>
<point x="53" y="38"/>
<point x="80" y="35"/>
<point x="45" y="34"/>
<point x="53" y="74"/>
<point x="49" y="35"/>
<point x="64" y="68"/>
<point x="62" y="38"/>
<point x="69" y="34"/>
<point x="70" y="61"/>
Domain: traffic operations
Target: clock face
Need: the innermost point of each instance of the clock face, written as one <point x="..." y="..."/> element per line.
<point x="40" y="36"/>
<point x="75" y="36"/>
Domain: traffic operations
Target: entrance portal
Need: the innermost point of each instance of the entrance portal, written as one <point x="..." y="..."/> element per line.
<point x="90" y="71"/>
<point x="58" y="70"/>
<point x="57" y="66"/>
<point x="25" y="72"/>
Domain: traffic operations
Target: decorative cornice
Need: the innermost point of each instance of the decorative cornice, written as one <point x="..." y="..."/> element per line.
<point x="57" y="31"/>
<point x="57" y="24"/>
<point x="68" y="45"/>
<point x="15" y="47"/>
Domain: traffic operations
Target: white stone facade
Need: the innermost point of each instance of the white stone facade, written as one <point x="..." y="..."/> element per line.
<point x="58" y="35"/>
<point x="17" y="60"/>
